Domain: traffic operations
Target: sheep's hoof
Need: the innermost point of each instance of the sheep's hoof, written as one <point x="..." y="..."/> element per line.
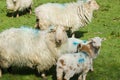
<point x="44" y="77"/>
<point x="0" y="73"/>
<point x="91" y="70"/>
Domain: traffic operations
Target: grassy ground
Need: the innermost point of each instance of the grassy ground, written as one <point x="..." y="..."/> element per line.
<point x="106" y="23"/>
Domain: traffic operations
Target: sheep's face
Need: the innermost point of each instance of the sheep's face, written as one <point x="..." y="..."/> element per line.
<point x="93" y="4"/>
<point x="96" y="42"/>
<point x="60" y="35"/>
<point x="11" y="4"/>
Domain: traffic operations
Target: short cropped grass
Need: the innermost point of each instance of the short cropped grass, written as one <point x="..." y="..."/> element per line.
<point x="106" y="23"/>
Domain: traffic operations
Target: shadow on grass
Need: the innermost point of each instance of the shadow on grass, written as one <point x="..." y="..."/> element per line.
<point x="78" y="34"/>
<point x="29" y="71"/>
<point x="14" y="14"/>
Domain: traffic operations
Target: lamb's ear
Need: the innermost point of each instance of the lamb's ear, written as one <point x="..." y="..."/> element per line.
<point x="90" y="41"/>
<point x="79" y="47"/>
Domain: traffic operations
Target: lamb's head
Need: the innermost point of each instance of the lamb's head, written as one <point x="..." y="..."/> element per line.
<point x="60" y="35"/>
<point x="92" y="47"/>
<point x="96" y="44"/>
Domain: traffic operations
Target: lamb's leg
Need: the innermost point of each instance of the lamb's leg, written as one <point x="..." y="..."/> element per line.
<point x="91" y="65"/>
<point x="69" y="74"/>
<point x="84" y="74"/>
<point x="80" y="77"/>
<point x="59" y="73"/>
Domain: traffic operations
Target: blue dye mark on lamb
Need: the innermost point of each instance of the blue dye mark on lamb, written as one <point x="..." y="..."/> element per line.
<point x="81" y="60"/>
<point x="84" y="41"/>
<point x="75" y="43"/>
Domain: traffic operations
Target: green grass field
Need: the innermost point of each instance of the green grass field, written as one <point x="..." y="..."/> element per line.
<point x="106" y="23"/>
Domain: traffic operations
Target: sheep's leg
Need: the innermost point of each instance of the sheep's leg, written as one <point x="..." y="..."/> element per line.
<point x="0" y="72"/>
<point x="91" y="65"/>
<point x="30" y="9"/>
<point x="44" y="76"/>
<point x="84" y="74"/>
<point x="69" y="74"/>
<point x="17" y="14"/>
<point x="59" y="73"/>
<point x="37" y="24"/>
<point x="80" y="77"/>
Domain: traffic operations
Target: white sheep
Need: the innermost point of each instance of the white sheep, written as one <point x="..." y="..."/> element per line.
<point x="31" y="48"/>
<point x="19" y="5"/>
<point x="70" y="15"/>
<point x="77" y="63"/>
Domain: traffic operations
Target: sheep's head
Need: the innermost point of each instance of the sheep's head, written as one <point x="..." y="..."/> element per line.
<point x="96" y="44"/>
<point x="91" y="5"/>
<point x="11" y="5"/>
<point x="60" y="35"/>
<point x="92" y="47"/>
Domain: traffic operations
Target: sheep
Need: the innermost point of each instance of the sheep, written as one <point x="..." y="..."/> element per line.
<point x="76" y="63"/>
<point x="16" y="6"/>
<point x="73" y="42"/>
<point x="72" y="15"/>
<point x="30" y="47"/>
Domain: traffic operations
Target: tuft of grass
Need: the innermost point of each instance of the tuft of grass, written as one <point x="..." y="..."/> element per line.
<point x="106" y="23"/>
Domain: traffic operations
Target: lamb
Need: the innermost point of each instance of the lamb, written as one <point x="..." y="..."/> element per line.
<point x="76" y="63"/>
<point x="73" y="42"/>
<point x="19" y="5"/>
<point x="30" y="47"/>
<point x="70" y="15"/>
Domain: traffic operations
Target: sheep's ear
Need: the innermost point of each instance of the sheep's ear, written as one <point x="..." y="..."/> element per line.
<point x="79" y="46"/>
<point x="14" y="1"/>
<point x="90" y="41"/>
<point x="52" y="29"/>
<point x="73" y="35"/>
<point x="103" y="39"/>
<point x="89" y="2"/>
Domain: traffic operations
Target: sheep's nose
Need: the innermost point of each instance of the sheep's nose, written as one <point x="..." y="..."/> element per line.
<point x="97" y="47"/>
<point x="59" y="41"/>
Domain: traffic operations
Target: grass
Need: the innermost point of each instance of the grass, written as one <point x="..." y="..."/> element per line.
<point x="106" y="23"/>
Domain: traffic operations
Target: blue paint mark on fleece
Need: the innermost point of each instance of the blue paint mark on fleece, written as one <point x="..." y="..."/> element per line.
<point x="75" y="43"/>
<point x="35" y="31"/>
<point x="63" y="5"/>
<point x="84" y="41"/>
<point x="84" y="1"/>
<point x="81" y="60"/>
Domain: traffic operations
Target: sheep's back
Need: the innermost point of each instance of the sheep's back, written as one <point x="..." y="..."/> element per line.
<point x="24" y="47"/>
